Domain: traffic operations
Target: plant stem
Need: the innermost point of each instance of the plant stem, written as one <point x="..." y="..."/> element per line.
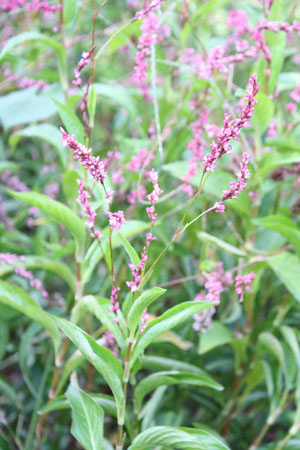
<point x="119" y="444"/>
<point x="178" y="230"/>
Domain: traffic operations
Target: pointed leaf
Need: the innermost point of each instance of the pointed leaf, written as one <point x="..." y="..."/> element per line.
<point x="100" y="308"/>
<point x="16" y="298"/>
<point x="142" y="302"/>
<point x="155" y="380"/>
<point x="101" y="358"/>
<point x="87" y="423"/>
<point x="70" y="121"/>
<point x="287" y="268"/>
<point x="134" y="257"/>
<point x="58" y="211"/>
<point x="165" y="322"/>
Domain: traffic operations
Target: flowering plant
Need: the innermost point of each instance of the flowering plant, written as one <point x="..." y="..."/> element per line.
<point x="149" y="168"/>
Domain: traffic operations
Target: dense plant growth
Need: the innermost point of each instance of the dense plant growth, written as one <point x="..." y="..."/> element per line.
<point x="149" y="236"/>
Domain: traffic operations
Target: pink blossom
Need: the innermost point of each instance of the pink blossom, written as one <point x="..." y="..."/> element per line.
<point x="232" y="128"/>
<point x="153" y="197"/>
<point x="115" y="306"/>
<point x="137" y="272"/>
<point x="144" y="320"/>
<point x="295" y="95"/>
<point x="142" y="159"/>
<point x="291" y="107"/>
<point x="13" y="260"/>
<point x="84" y="61"/>
<point x="116" y="220"/>
<point x="94" y="166"/>
<point x="83" y="201"/>
<point x="237" y="19"/>
<point x="203" y="319"/>
<point x="137" y="195"/>
<point x="109" y="342"/>
<point x="243" y="284"/>
<point x="34" y="5"/>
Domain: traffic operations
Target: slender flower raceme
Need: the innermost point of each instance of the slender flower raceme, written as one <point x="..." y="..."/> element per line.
<point x="235" y="187"/>
<point x="154" y="196"/>
<point x="93" y="164"/>
<point x="243" y="284"/>
<point x="83" y="201"/>
<point x="11" y="259"/>
<point x="203" y="319"/>
<point x="137" y="272"/>
<point x="232" y="128"/>
<point x="116" y="220"/>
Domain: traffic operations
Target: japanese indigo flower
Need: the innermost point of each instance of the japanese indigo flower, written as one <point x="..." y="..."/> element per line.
<point x="232" y="128"/>
<point x="235" y="187"/>
<point x="93" y="164"/>
<point x="203" y="319"/>
<point x="137" y="272"/>
<point x="83" y="201"/>
<point x="109" y="342"/>
<point x="116" y="220"/>
<point x="11" y="259"/>
<point x="243" y="284"/>
<point x="153" y="197"/>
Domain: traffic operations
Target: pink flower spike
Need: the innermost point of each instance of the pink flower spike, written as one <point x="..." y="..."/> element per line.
<point x="243" y="284"/>
<point x="92" y="164"/>
<point x="116" y="220"/>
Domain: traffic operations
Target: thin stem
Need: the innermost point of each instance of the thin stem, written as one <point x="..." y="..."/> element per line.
<point x="118" y="31"/>
<point x="155" y="102"/>
<point x="178" y="230"/>
<point x="119" y="443"/>
<point x="284" y="441"/>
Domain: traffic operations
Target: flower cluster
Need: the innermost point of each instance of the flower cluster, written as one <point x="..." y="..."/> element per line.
<point x="203" y="319"/>
<point x="235" y="187"/>
<point x="216" y="283"/>
<point x="84" y="61"/>
<point x="24" y="82"/>
<point x="34" y="5"/>
<point x="109" y="342"/>
<point x="144" y="320"/>
<point x="13" y="181"/>
<point x="154" y="196"/>
<point x="94" y="166"/>
<point x="137" y="272"/>
<point x="11" y="259"/>
<point x="243" y="284"/>
<point x="116" y="220"/>
<point x="115" y="305"/>
<point x="83" y="201"/>
<point x="142" y="159"/>
<point x="232" y="128"/>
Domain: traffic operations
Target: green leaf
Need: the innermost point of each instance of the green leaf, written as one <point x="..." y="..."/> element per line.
<point x="70" y="7"/>
<point x="134" y="257"/>
<point x="25" y="355"/>
<point x="155" y="380"/>
<point x="264" y="112"/>
<point x="87" y="423"/>
<point x="228" y="248"/>
<point x="8" y="165"/>
<point x="272" y="160"/>
<point x="16" y="298"/>
<point x="290" y="336"/>
<point x="100" y="308"/>
<point x="69" y="184"/>
<point x="288" y="81"/>
<point x="142" y="302"/>
<point x="161" y="363"/>
<point x="165" y="322"/>
<point x="102" y="359"/>
<point x="94" y="254"/>
<point x="58" y="211"/>
<point x="269" y="342"/>
<point x="28" y="105"/>
<point x="283" y="144"/>
<point x="182" y="438"/>
<point x="217" y="335"/>
<point x="46" y="132"/>
<point x="119" y="94"/>
<point x="70" y="121"/>
<point x="106" y="402"/>
<point x="287" y="268"/>
<point x="39" y="262"/>
<point x="7" y="390"/>
<point x="32" y="36"/>
<point x="284" y="226"/>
